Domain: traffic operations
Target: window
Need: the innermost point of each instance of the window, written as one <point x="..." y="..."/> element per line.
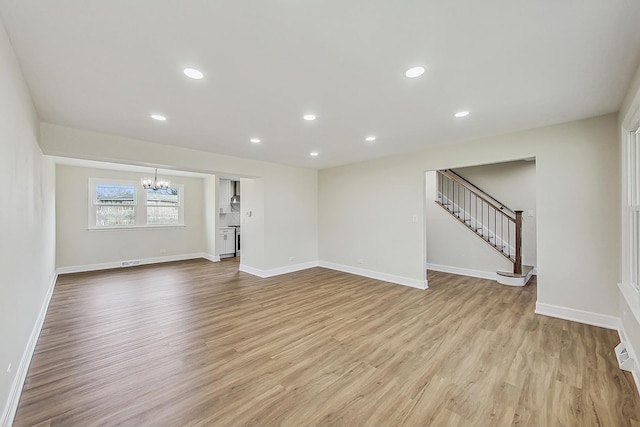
<point x="125" y="204"/>
<point x="633" y="206"/>
<point x="163" y="207"/>
<point x="115" y="205"/>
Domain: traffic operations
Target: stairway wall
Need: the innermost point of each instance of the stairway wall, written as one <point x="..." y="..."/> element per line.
<point x="453" y="247"/>
<point x="514" y="184"/>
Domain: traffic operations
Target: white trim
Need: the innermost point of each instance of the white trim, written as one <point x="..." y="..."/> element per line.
<point x="406" y="281"/>
<point x="143" y="261"/>
<point x="212" y="258"/>
<point x="491" y="275"/>
<point x="636" y="374"/>
<point x="580" y="316"/>
<point x="277" y="271"/>
<point x="140" y="206"/>
<point x="135" y="227"/>
<point x="420" y="284"/>
<point x="9" y="412"/>
<point x="631" y="298"/>
<point x="514" y="281"/>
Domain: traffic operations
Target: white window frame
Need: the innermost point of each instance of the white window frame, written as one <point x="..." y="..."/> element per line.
<point x="140" y="205"/>
<point x="180" y="207"/>
<point x="631" y="208"/>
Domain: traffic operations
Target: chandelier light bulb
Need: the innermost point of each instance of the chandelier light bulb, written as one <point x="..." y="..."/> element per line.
<point x="155" y="183"/>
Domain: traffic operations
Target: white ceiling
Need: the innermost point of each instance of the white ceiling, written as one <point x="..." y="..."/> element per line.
<point x="515" y="64"/>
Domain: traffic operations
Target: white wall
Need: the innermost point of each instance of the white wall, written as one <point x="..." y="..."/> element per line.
<point x="27" y="239"/>
<point x="77" y="246"/>
<point x="288" y="208"/>
<point x="210" y="230"/>
<point x="366" y="209"/>
<point x="252" y="243"/>
<point x="278" y="196"/>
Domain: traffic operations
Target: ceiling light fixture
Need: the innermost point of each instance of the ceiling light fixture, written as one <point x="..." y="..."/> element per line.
<point x="158" y="117"/>
<point x="460" y="114"/>
<point x="155" y="183"/>
<point x="414" y="72"/>
<point x="370" y="138"/>
<point x="309" y="117"/>
<point x="193" y="73"/>
<point x="255" y="140"/>
<point x="314" y="154"/>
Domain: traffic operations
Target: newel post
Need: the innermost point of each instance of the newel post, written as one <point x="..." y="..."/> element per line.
<point x="517" y="265"/>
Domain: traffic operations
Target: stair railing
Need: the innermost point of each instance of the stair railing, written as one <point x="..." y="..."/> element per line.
<point x="494" y="222"/>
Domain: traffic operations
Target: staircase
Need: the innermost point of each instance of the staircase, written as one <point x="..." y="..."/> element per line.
<point x="492" y="221"/>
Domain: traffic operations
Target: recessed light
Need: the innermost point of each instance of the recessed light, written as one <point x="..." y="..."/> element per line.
<point x="460" y="114"/>
<point x="370" y="138"/>
<point x="193" y="73"/>
<point x="255" y="140"/>
<point x="314" y="154"/>
<point x="158" y="117"/>
<point x="414" y="72"/>
<point x="309" y="117"/>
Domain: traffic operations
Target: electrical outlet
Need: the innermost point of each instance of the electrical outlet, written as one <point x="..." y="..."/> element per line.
<point x="360" y="261"/>
<point x="414" y="218"/>
<point x="9" y="369"/>
<point x="163" y="251"/>
<point x="291" y="258"/>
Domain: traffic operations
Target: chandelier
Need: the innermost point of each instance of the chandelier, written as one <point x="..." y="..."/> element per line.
<point x="155" y="183"/>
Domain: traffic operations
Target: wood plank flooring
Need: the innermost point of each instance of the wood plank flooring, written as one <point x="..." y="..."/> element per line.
<point x="196" y="343"/>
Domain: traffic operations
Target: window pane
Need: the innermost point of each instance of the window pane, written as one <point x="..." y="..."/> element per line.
<point x="162" y="215"/>
<point x="110" y="216"/>
<point x="168" y="197"/>
<point x="635" y="169"/>
<point x="115" y="194"/>
<point x="634" y="226"/>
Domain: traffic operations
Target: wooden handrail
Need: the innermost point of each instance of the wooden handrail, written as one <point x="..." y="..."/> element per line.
<point x="499" y="212"/>
<point x="475" y="189"/>
<point x="471" y="188"/>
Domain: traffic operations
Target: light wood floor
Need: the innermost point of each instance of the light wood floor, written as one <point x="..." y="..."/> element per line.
<point x="198" y="343"/>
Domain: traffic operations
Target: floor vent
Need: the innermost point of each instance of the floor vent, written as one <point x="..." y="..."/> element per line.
<point x="130" y="263"/>
<point x="625" y="362"/>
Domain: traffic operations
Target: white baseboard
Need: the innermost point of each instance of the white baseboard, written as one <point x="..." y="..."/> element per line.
<point x="338" y="267"/>
<point x="277" y="271"/>
<point x="491" y="275"/>
<point x="9" y="412"/>
<point x="143" y="261"/>
<point x="580" y="316"/>
<point x="632" y="353"/>
<point x="212" y="258"/>
<point x="406" y="281"/>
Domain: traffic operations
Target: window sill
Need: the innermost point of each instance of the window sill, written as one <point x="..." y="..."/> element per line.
<point x="632" y="297"/>
<point x="136" y="227"/>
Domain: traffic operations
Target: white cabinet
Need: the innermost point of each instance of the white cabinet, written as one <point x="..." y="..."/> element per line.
<point x="224" y="195"/>
<point x="227" y="242"/>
